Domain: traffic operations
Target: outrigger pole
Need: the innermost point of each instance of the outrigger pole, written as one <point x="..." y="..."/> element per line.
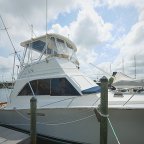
<point x="15" y="52"/>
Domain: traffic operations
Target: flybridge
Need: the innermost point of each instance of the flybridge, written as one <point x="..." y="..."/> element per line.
<point x="49" y="45"/>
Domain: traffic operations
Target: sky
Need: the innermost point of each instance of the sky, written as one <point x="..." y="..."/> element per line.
<point x="108" y="33"/>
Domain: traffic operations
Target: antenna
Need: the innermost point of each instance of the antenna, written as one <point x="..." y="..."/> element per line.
<point x="46" y="27"/>
<point x="46" y="16"/>
<point x="32" y="31"/>
<point x="123" y="64"/>
<point x="110" y="67"/>
<point x="135" y="65"/>
<point x="3" y="29"/>
<point x="30" y="50"/>
<point x="100" y="69"/>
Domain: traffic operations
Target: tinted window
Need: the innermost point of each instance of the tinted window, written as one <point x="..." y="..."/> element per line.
<point x="44" y="87"/>
<point x="62" y="87"/>
<point x="40" y="87"/>
<point x="26" y="90"/>
<point x="38" y="45"/>
<point x="54" y="87"/>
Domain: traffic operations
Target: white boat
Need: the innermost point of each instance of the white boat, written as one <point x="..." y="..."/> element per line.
<point x="125" y="84"/>
<point x="67" y="100"/>
<point x="123" y="81"/>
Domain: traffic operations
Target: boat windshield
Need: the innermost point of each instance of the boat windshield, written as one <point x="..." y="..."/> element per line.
<point x="56" y="47"/>
<point x="87" y="85"/>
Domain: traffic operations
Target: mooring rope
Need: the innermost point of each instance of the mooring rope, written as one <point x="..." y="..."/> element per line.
<point x="68" y="122"/>
<point x="130" y="98"/>
<point x="22" y="115"/>
<point x="113" y="130"/>
<point x="50" y="124"/>
<point x="107" y="116"/>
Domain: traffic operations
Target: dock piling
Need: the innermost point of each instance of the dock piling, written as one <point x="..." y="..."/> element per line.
<point x="104" y="111"/>
<point x="33" y="110"/>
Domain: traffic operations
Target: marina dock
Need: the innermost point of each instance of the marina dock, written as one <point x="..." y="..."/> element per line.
<point x="9" y="136"/>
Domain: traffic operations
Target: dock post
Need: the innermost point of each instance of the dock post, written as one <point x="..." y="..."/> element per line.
<point x="104" y="111"/>
<point x="33" y="110"/>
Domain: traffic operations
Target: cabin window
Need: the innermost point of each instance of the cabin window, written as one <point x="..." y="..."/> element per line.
<point x="52" y="44"/>
<point x="61" y="46"/>
<point x="49" y="51"/>
<point x="25" y="91"/>
<point x="53" y="87"/>
<point x="62" y="87"/>
<point x="69" y="45"/>
<point x="41" y="87"/>
<point x="38" y="45"/>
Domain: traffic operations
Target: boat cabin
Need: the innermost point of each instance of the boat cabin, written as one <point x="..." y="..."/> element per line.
<point x="50" y="67"/>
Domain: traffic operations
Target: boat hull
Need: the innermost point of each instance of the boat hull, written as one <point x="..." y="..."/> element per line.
<point x="80" y="125"/>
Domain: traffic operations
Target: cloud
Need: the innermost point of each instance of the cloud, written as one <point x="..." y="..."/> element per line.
<point x="6" y="65"/>
<point x="87" y="31"/>
<point x="125" y="3"/>
<point x="19" y="15"/>
<point x="132" y="45"/>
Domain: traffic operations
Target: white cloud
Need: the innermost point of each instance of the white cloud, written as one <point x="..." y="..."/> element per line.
<point x="125" y="3"/>
<point x="6" y="68"/>
<point x="19" y="15"/>
<point x="132" y="45"/>
<point x="57" y="28"/>
<point x="86" y="56"/>
<point x="87" y="31"/>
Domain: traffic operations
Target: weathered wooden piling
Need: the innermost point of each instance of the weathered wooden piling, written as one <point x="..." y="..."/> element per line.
<point x="104" y="111"/>
<point x="33" y="111"/>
